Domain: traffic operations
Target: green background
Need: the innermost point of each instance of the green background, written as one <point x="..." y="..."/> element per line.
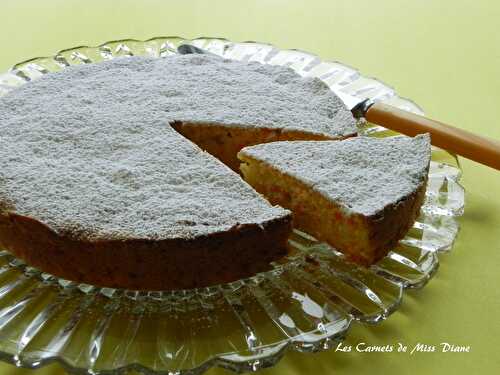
<point x="445" y="55"/>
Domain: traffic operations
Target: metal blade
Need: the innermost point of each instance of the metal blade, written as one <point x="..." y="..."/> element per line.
<point x="349" y="100"/>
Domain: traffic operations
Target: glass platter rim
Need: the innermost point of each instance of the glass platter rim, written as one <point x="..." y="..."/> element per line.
<point x="14" y="69"/>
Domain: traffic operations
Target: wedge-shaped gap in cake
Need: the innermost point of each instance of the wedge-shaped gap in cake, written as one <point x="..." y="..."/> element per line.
<point x="225" y="141"/>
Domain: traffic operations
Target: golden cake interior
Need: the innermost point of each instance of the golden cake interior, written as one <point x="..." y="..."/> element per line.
<point x="224" y="142"/>
<point x="362" y="239"/>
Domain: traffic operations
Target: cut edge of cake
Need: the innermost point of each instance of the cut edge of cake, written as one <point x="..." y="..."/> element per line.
<point x="224" y="141"/>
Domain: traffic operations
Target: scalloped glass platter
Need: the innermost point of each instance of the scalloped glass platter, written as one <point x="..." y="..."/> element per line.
<point x="306" y="303"/>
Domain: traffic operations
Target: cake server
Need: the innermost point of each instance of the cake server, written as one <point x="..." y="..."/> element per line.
<point x="461" y="142"/>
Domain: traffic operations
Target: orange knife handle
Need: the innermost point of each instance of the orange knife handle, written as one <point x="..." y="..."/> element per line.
<point x="458" y="141"/>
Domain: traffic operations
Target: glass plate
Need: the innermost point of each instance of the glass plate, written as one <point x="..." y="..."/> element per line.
<point x="306" y="303"/>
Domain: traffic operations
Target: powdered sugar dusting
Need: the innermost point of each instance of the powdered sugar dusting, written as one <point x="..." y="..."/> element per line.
<point x="362" y="174"/>
<point x="89" y="150"/>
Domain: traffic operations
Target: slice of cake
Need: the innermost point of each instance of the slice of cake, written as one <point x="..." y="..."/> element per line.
<point x="360" y="195"/>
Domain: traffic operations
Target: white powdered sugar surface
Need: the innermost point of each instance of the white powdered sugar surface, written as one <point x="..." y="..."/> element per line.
<point x="89" y="150"/>
<point x="362" y="174"/>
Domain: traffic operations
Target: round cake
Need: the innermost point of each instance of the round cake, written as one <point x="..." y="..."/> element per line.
<point x="119" y="174"/>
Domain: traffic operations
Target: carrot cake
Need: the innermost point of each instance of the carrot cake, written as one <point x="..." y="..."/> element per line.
<point x="99" y="184"/>
<point x="360" y="195"/>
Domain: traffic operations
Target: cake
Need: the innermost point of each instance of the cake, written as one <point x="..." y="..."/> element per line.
<point x="104" y="178"/>
<point x="360" y="195"/>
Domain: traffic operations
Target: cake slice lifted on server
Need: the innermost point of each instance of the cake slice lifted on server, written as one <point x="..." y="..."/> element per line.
<point x="360" y="195"/>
